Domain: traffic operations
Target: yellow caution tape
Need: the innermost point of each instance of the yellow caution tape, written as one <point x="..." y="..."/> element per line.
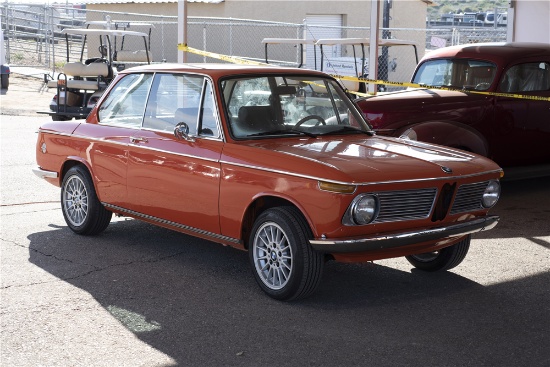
<point x="241" y="61"/>
<point x="232" y="59"/>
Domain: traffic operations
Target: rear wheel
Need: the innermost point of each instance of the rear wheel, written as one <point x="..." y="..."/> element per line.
<point x="61" y="118"/>
<point x="284" y="264"/>
<point x="444" y="259"/>
<point x="5" y="81"/>
<point x="81" y="208"/>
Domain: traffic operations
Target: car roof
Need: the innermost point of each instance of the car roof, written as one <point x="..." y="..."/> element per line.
<point x="217" y="70"/>
<point x="498" y="52"/>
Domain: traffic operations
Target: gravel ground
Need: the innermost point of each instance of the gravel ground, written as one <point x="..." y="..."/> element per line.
<point x="25" y="96"/>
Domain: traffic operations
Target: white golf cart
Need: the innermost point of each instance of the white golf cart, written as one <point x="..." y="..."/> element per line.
<point x="81" y="83"/>
<point x="356" y="65"/>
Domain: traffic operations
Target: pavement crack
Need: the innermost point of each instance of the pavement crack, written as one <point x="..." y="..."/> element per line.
<point x="29" y="203"/>
<point x="84" y="274"/>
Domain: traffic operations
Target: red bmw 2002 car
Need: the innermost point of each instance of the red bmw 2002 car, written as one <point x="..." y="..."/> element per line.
<point x="512" y="131"/>
<point x="276" y="161"/>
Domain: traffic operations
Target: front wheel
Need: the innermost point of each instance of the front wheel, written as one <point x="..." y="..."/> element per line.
<point x="81" y="208"/>
<point x="284" y="264"/>
<point x="444" y="259"/>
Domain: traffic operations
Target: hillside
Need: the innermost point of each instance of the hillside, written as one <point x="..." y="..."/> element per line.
<point x="461" y="6"/>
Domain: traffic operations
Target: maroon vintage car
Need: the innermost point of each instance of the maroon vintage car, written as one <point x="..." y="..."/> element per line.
<point x="514" y="132"/>
<point x="275" y="161"/>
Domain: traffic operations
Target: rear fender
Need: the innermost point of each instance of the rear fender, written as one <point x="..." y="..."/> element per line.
<point x="449" y="133"/>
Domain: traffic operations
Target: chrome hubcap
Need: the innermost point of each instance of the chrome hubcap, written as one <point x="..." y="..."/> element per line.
<point x="75" y="200"/>
<point x="272" y="255"/>
<point x="426" y="257"/>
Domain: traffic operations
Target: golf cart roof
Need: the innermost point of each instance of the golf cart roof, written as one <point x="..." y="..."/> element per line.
<point x="102" y="32"/>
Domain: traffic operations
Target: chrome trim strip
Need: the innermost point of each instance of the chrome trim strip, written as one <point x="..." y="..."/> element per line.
<point x="138" y="146"/>
<point x="394" y="240"/>
<point x="357" y="183"/>
<point x="292" y="173"/>
<point x="42" y="131"/>
<point x="174" y="153"/>
<point x="43" y="173"/>
<point x="173" y="224"/>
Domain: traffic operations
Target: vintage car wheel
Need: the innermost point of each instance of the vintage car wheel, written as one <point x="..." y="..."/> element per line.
<point x="61" y="118"/>
<point x="5" y="81"/>
<point x="444" y="259"/>
<point x="284" y="264"/>
<point x="82" y="210"/>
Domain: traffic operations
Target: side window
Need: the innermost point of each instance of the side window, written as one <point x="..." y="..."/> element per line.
<point x="528" y="77"/>
<point x="176" y="98"/>
<point x="126" y="102"/>
<point x="209" y="127"/>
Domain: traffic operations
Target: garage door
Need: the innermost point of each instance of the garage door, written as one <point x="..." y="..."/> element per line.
<point x="322" y="26"/>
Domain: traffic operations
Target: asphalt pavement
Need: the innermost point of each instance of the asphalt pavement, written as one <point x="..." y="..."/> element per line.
<point x="139" y="295"/>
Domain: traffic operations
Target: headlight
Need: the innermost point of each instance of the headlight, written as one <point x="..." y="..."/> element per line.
<point x="491" y="194"/>
<point x="409" y="134"/>
<point x="363" y="210"/>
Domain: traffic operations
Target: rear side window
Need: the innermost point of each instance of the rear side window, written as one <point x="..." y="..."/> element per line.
<point x="125" y="104"/>
<point x="528" y="77"/>
<point x="178" y="98"/>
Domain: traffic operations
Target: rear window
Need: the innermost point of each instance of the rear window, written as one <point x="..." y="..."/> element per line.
<point x="456" y="73"/>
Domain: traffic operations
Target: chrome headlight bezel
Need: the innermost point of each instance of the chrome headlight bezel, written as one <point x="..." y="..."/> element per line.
<point x="491" y="194"/>
<point x="363" y="210"/>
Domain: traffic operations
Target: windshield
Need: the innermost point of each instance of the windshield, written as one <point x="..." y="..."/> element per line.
<point x="456" y="73"/>
<point x="264" y="106"/>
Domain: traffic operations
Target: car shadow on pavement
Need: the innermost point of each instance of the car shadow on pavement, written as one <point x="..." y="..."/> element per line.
<point x="197" y="302"/>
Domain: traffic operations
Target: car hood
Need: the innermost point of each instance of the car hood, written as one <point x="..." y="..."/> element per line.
<point x="418" y="93"/>
<point x="354" y="159"/>
<point x="396" y="109"/>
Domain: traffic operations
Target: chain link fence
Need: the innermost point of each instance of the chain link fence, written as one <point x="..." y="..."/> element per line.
<point x="33" y="38"/>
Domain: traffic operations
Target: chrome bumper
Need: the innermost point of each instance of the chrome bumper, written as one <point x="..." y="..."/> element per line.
<point x="43" y="173"/>
<point x="363" y="244"/>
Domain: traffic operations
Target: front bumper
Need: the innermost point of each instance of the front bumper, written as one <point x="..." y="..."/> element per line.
<point x="376" y="243"/>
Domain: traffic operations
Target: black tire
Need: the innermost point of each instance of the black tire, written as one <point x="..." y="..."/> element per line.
<point x="83" y="212"/>
<point x="5" y="81"/>
<point x="444" y="259"/>
<point x="61" y="118"/>
<point x="284" y="265"/>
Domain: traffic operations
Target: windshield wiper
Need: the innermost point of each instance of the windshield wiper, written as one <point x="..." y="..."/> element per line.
<point x="284" y="131"/>
<point x="347" y="129"/>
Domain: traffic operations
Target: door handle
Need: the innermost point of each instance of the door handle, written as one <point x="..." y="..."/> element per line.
<point x="137" y="140"/>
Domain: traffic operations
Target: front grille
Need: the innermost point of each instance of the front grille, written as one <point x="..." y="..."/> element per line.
<point x="405" y="205"/>
<point x="468" y="197"/>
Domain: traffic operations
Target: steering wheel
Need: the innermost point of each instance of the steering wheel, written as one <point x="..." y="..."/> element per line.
<point x="483" y="86"/>
<point x="94" y="59"/>
<point x="319" y="119"/>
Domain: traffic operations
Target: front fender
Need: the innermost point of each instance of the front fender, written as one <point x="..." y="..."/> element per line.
<point x="449" y="133"/>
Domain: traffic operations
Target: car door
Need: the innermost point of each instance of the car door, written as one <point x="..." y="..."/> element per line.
<point x="523" y="123"/>
<point x="118" y="118"/>
<point x="175" y="179"/>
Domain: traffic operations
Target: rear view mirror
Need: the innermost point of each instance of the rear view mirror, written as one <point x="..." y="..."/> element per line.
<point x="285" y="89"/>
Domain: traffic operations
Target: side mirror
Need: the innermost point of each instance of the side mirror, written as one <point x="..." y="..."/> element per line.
<point x="181" y="131"/>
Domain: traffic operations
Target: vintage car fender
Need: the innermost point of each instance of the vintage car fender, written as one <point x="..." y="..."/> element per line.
<point x="266" y="199"/>
<point x="449" y="133"/>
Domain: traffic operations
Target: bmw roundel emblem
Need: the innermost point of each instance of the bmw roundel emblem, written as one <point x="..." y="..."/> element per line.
<point x="446" y="169"/>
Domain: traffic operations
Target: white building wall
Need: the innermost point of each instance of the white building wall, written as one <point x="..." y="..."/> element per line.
<point x="531" y="21"/>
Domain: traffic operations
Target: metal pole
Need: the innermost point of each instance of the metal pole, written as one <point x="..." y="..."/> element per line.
<point x="182" y="29"/>
<point x="383" y="67"/>
<point x="373" y="52"/>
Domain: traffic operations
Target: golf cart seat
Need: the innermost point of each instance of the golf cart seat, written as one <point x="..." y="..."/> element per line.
<point x="78" y="69"/>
